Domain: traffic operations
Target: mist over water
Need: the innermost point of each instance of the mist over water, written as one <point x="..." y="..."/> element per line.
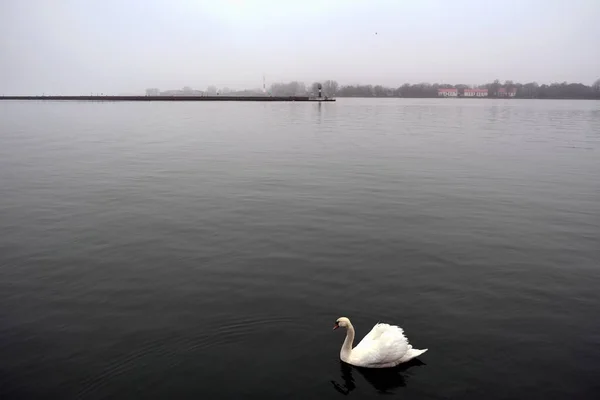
<point x="153" y="250"/>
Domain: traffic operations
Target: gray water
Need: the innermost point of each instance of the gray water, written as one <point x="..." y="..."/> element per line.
<point x="204" y="250"/>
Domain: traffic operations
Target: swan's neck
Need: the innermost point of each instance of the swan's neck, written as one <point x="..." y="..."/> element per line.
<point x="347" y="346"/>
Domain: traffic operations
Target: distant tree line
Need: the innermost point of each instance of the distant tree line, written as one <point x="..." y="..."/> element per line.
<point x="295" y="88"/>
<point x="530" y="90"/>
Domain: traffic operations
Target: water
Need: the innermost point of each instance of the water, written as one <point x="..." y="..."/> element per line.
<point x="204" y="250"/>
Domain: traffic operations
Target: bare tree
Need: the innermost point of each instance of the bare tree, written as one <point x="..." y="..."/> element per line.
<point x="330" y="88"/>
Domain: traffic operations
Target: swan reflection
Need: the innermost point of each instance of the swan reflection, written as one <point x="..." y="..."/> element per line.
<point x="384" y="380"/>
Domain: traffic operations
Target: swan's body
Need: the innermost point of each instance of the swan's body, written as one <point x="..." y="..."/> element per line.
<point x="385" y="346"/>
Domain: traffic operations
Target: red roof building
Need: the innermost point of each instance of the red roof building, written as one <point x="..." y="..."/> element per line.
<point x="475" y="93"/>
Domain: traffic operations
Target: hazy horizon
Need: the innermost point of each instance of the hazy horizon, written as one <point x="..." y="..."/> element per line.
<point x="68" y="47"/>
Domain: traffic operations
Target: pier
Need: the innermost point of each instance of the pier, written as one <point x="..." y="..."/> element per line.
<point x="168" y="98"/>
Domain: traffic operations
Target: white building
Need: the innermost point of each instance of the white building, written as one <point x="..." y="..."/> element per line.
<point x="152" y="92"/>
<point x="475" y="93"/>
<point x="504" y="92"/>
<point x="448" y="92"/>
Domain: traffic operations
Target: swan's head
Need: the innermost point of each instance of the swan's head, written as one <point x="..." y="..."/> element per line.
<point x="342" y="322"/>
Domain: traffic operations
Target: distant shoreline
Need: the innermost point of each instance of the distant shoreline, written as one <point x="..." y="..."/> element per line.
<point x="466" y="98"/>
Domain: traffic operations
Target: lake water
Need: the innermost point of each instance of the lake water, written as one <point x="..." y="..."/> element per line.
<point x="204" y="250"/>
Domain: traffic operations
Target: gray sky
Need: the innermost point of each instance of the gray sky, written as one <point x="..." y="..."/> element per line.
<point x="125" y="46"/>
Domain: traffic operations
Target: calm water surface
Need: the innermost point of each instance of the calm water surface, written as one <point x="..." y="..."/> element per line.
<point x="204" y="250"/>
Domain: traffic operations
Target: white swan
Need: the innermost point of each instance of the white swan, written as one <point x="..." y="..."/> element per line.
<point x="385" y="346"/>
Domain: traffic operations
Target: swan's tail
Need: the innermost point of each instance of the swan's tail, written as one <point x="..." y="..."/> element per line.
<point x="414" y="353"/>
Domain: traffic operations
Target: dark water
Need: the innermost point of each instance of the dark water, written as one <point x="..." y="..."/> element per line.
<point x="205" y="250"/>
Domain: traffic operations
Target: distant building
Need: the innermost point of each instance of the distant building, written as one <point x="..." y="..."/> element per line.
<point x="504" y="92"/>
<point x="171" y="93"/>
<point x="448" y="92"/>
<point x="152" y="92"/>
<point x="182" y="92"/>
<point x="475" y="93"/>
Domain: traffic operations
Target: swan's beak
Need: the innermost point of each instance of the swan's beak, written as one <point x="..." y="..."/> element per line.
<point x="335" y="327"/>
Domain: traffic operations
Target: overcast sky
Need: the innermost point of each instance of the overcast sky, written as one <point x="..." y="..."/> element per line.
<point x="126" y="46"/>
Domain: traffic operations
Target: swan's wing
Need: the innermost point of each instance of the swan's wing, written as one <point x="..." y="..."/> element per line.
<point x="375" y="333"/>
<point x="384" y="344"/>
